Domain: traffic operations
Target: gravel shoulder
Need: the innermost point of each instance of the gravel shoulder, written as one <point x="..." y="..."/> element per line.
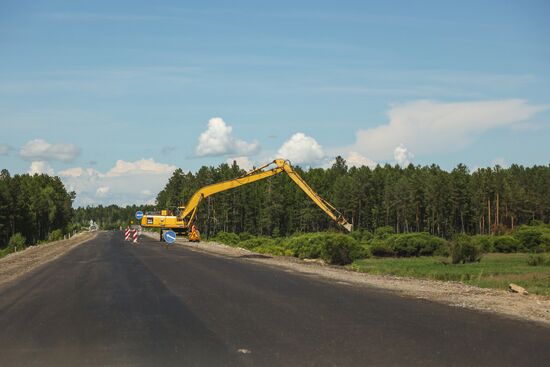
<point x="20" y="263"/>
<point x="526" y="307"/>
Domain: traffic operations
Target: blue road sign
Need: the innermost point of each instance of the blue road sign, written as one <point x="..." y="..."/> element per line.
<point x="139" y="215"/>
<point x="169" y="236"/>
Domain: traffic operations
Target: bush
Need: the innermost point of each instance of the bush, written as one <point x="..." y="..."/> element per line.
<point x="444" y="250"/>
<point x="17" y="242"/>
<point x="362" y="235"/>
<point x="243" y="236"/>
<point x="255" y="242"/>
<point x="383" y="232"/>
<point x="465" y="250"/>
<point x="334" y="248"/>
<point x="538" y="260"/>
<point x="381" y="249"/>
<point x="506" y="244"/>
<point x="545" y="242"/>
<point x="530" y="237"/>
<point x="305" y="246"/>
<point x="56" y="235"/>
<point x="415" y="244"/>
<point x="486" y="243"/>
<point x="339" y="249"/>
<point x="227" y="238"/>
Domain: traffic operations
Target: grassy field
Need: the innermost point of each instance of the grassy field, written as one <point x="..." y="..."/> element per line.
<point x="494" y="270"/>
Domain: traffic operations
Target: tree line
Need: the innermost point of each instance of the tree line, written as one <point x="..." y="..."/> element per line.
<point x="409" y="199"/>
<point x="110" y="216"/>
<point x="33" y="206"/>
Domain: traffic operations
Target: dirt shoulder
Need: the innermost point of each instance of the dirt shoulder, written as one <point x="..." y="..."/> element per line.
<point x="526" y="307"/>
<point x="19" y="263"/>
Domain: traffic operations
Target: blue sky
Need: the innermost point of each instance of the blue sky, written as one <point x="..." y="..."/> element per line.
<point x="112" y="95"/>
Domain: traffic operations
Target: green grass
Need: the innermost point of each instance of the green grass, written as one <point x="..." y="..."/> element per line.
<point x="494" y="271"/>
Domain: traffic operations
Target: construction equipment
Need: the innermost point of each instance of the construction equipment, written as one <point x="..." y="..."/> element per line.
<point x="181" y="221"/>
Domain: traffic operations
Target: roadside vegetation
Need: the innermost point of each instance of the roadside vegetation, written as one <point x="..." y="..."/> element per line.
<point x="521" y="256"/>
<point x="33" y="209"/>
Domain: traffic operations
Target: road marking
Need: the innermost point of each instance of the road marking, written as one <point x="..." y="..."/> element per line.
<point x="244" y="351"/>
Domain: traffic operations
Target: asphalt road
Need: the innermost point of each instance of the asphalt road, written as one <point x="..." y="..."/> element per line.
<point x="110" y="303"/>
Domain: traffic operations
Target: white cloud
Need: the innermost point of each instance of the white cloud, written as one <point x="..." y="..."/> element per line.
<point x="402" y="155"/>
<point x="302" y="149"/>
<point x="218" y="140"/>
<point x="102" y="191"/>
<point x="355" y="159"/>
<point x="143" y="166"/>
<point x="40" y="167"/>
<point x="72" y="172"/>
<point x="41" y="150"/>
<point x="125" y="183"/>
<point x="435" y="127"/>
<point x="243" y="162"/>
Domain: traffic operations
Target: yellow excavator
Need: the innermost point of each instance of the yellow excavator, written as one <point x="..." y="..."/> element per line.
<point x="181" y="222"/>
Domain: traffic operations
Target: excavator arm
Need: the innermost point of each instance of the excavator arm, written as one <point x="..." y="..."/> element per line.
<point x="330" y="210"/>
<point x="206" y="191"/>
<point x="280" y="165"/>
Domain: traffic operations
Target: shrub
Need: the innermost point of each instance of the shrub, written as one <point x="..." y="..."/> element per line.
<point x="381" y="249"/>
<point x="305" y="246"/>
<point x="545" y="242"/>
<point x="17" y="242"/>
<point x="530" y="237"/>
<point x="444" y="250"/>
<point x="339" y="249"/>
<point x="361" y="251"/>
<point x="383" y="232"/>
<point x="243" y="236"/>
<point x="362" y="235"/>
<point x="56" y="235"/>
<point x="464" y="250"/>
<point x="254" y="242"/>
<point x="486" y="243"/>
<point x="227" y="238"/>
<point x="334" y="248"/>
<point x="415" y="244"/>
<point x="506" y="244"/>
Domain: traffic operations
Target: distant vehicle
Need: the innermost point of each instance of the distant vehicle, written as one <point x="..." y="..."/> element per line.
<point x="181" y="221"/>
<point x="93" y="226"/>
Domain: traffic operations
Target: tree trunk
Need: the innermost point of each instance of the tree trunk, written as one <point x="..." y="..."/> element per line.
<point x="497" y="219"/>
<point x="489" y="216"/>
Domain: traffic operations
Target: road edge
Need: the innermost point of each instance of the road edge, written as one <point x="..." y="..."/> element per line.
<point x="19" y="264"/>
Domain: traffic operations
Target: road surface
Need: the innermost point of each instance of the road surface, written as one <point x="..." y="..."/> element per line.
<point x="110" y="303"/>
